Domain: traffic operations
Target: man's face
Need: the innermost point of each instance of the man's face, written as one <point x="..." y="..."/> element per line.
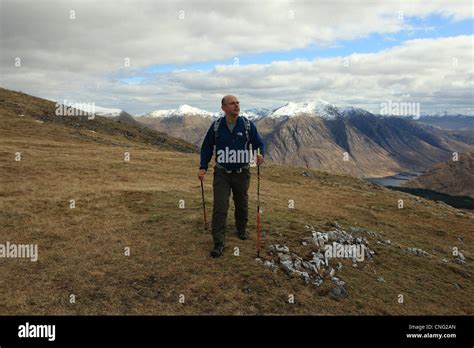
<point x="231" y="106"/>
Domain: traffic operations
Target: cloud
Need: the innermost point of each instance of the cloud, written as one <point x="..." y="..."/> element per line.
<point x="79" y="59"/>
<point x="432" y="72"/>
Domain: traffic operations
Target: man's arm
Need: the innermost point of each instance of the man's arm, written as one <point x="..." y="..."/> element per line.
<point x="207" y="148"/>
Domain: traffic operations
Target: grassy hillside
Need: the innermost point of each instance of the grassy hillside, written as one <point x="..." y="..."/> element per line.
<point x="97" y="129"/>
<point x="135" y="204"/>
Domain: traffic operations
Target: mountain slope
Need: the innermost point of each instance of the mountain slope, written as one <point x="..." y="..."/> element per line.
<point x="191" y="128"/>
<point x="452" y="177"/>
<point x="138" y="205"/>
<point x="125" y="117"/>
<point x="13" y="104"/>
<point x="309" y="142"/>
<point x="413" y="146"/>
<point x="375" y="146"/>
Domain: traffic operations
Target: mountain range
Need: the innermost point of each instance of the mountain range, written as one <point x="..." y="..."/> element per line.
<point x="448" y="121"/>
<point x="320" y="135"/>
<point x="314" y="134"/>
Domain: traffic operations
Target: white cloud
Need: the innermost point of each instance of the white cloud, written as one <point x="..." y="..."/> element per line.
<point x="428" y="71"/>
<point x="77" y="59"/>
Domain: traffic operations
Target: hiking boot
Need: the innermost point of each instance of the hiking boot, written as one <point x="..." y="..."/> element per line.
<point x="243" y="235"/>
<point x="217" y="251"/>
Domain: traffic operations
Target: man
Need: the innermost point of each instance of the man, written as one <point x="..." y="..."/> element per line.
<point x="231" y="136"/>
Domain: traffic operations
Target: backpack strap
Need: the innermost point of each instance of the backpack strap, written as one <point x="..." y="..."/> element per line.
<point x="247" y="128"/>
<point x="216" y="133"/>
<point x="248" y="144"/>
<point x="217" y="123"/>
<point x="216" y="127"/>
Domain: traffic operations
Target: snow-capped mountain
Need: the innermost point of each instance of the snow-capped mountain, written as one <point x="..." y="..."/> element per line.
<point x="350" y="110"/>
<point x="256" y="113"/>
<point x="187" y="110"/>
<point x="316" y="107"/>
<point x="107" y="112"/>
<point x="182" y="110"/>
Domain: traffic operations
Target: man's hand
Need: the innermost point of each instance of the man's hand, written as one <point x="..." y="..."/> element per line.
<point x="201" y="174"/>
<point x="260" y="159"/>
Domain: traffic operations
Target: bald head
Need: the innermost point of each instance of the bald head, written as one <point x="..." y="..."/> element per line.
<point x="224" y="98"/>
<point x="230" y="105"/>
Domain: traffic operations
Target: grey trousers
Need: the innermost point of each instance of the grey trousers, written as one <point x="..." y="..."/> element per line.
<point x="223" y="184"/>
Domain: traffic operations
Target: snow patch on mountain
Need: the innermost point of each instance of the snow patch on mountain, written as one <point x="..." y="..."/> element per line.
<point x="350" y="110"/>
<point x="107" y="112"/>
<point x="256" y="113"/>
<point x="182" y="110"/>
<point x="316" y="107"/>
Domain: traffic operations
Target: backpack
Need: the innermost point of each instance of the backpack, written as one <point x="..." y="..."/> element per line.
<point x="218" y="122"/>
<point x="247" y="135"/>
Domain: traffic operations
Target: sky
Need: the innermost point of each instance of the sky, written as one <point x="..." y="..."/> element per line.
<point x="143" y="55"/>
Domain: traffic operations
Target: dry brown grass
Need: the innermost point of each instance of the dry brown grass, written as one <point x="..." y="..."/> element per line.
<point x="135" y="204"/>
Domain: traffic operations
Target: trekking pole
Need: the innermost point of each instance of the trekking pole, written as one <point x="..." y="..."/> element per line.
<point x="258" y="205"/>
<point x="203" y="206"/>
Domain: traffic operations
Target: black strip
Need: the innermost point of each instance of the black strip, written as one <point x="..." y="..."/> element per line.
<point x="224" y="330"/>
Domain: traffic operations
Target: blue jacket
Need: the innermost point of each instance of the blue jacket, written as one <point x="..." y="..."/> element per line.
<point x="233" y="141"/>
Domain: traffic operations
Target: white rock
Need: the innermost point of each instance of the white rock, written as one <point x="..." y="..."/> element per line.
<point x="287" y="267"/>
<point x="284" y="257"/>
<point x="337" y="281"/>
<point x="318" y="282"/>
<point x="283" y="248"/>
<point x="318" y="264"/>
<point x="268" y="263"/>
